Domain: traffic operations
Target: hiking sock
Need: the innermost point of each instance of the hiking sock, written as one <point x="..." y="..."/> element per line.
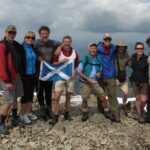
<point x="2" y="119"/>
<point x="106" y="109"/>
<point x="67" y="116"/>
<point x="56" y="118"/>
<point x="14" y="113"/>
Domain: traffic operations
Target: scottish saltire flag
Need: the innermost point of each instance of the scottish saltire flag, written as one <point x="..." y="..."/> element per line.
<point x="51" y="72"/>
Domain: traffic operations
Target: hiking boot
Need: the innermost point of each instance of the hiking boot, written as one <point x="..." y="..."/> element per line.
<point x="147" y="117"/>
<point x="3" y="129"/>
<point x="25" y="119"/>
<point x="14" y="122"/>
<point x="144" y="113"/>
<point x="50" y="113"/>
<point x="117" y="119"/>
<point x="100" y="108"/>
<point x="85" y="116"/>
<point x="43" y="113"/>
<point x="109" y="115"/>
<point x="67" y="116"/>
<point x="141" y="118"/>
<point x="17" y="122"/>
<point x="54" y="120"/>
<point x="125" y="109"/>
<point x="135" y="116"/>
<point x="32" y="117"/>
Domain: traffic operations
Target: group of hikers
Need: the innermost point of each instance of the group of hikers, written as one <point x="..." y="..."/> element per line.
<point x="101" y="71"/>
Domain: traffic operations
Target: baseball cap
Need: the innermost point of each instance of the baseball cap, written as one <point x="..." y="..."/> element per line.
<point x="106" y="35"/>
<point x="11" y="28"/>
<point x="92" y="44"/>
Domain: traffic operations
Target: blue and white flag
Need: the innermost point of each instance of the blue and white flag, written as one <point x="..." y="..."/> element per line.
<point x="51" y="72"/>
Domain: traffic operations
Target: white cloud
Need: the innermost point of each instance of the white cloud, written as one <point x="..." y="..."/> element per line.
<point x="76" y="17"/>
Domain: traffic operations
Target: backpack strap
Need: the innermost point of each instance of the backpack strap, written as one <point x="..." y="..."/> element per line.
<point x="118" y="63"/>
<point x="86" y="61"/>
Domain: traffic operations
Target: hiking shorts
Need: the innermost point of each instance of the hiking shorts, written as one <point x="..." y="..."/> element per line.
<point x="64" y="85"/>
<point x="18" y="87"/>
<point x="7" y="94"/>
<point x="86" y="89"/>
<point x="140" y="90"/>
<point x="123" y="86"/>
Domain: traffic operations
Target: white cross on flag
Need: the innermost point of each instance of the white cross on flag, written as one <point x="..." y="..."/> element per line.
<point x="51" y="72"/>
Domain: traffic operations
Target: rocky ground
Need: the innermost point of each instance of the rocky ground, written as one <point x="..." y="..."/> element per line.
<point x="97" y="133"/>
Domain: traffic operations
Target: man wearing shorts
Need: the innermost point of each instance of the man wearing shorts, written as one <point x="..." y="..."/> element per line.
<point x="8" y="78"/>
<point x="67" y="53"/>
<point x="89" y="71"/>
<point x="16" y="52"/>
<point x="122" y="60"/>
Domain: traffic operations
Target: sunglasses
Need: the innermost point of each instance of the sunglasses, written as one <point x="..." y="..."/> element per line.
<point x="12" y="32"/>
<point x="30" y="37"/>
<point x="139" y="48"/>
<point x="107" y="39"/>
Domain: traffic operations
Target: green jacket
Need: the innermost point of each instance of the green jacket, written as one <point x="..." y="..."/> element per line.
<point x="87" y="61"/>
<point x="124" y="60"/>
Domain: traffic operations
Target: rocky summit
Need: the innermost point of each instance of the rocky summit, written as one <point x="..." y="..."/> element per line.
<point x="98" y="133"/>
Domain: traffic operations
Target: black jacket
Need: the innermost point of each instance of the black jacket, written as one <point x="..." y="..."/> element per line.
<point x="17" y="54"/>
<point x="140" y="69"/>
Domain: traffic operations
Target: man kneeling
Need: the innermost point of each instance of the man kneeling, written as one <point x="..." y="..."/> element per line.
<point x="89" y="71"/>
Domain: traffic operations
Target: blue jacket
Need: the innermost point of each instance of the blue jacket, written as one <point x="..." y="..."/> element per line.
<point x="108" y="64"/>
<point x="30" y="59"/>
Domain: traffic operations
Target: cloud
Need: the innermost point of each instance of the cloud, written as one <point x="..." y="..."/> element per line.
<point x="115" y="16"/>
<point x="77" y="16"/>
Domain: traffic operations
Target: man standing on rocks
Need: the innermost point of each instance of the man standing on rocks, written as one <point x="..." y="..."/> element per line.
<point x="45" y="51"/>
<point x="147" y="117"/>
<point x="106" y="51"/>
<point x="89" y="71"/>
<point x="8" y="75"/>
<point x="67" y="53"/>
<point x="122" y="60"/>
<point x="16" y="51"/>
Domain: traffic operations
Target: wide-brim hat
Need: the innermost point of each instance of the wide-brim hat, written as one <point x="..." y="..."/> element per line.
<point x="121" y="43"/>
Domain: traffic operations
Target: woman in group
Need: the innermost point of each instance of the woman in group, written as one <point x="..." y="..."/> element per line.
<point x="139" y="79"/>
<point x="28" y="78"/>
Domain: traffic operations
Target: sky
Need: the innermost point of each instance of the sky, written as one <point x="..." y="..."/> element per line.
<point x="85" y="20"/>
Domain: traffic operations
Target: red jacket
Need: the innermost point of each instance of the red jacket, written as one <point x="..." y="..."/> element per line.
<point x="7" y="69"/>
